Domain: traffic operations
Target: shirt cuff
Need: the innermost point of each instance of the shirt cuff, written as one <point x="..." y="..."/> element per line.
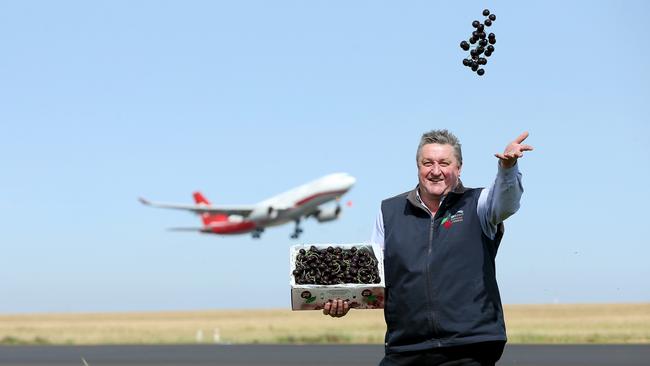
<point x="508" y="174"/>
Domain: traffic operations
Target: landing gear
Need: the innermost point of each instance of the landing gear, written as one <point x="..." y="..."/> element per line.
<point x="257" y="233"/>
<point x="296" y="231"/>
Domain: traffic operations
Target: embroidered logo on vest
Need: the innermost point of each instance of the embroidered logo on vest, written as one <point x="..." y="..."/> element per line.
<point x="450" y="219"/>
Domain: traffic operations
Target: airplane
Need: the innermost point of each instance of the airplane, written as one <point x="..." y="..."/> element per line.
<point x="301" y="202"/>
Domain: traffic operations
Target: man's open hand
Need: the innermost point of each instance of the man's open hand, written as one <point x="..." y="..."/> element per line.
<point x="514" y="151"/>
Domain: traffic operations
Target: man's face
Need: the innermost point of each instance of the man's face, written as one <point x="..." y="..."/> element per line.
<point x="438" y="170"/>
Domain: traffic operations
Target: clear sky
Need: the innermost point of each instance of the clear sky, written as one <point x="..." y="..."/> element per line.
<point x="105" y="101"/>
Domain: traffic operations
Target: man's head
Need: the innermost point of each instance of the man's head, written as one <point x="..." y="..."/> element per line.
<point x="439" y="159"/>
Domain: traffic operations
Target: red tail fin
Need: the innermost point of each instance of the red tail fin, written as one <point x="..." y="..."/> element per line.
<point x="199" y="199"/>
<point x="207" y="217"/>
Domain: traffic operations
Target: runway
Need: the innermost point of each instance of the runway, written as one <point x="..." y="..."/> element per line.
<point x="317" y="355"/>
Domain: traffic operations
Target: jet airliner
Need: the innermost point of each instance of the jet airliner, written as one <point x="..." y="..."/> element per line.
<point x="307" y="200"/>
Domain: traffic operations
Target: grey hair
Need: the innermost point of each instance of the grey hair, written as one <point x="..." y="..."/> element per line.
<point x="442" y="137"/>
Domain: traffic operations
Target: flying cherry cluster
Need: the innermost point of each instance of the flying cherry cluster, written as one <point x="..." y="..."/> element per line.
<point x="335" y="265"/>
<point x="480" y="44"/>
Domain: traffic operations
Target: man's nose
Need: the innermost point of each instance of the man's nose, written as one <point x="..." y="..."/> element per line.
<point x="435" y="169"/>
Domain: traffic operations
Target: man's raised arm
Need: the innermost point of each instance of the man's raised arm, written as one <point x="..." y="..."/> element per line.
<point x="501" y="199"/>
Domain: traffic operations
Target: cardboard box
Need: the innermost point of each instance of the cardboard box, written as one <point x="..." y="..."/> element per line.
<point x="359" y="296"/>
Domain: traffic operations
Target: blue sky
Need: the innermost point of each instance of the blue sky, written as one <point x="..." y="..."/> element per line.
<point x="105" y="101"/>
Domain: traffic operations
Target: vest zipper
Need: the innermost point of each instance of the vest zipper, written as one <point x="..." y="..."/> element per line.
<point x="432" y="317"/>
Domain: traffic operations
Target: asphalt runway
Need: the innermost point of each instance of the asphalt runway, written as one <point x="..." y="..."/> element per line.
<point x="287" y="355"/>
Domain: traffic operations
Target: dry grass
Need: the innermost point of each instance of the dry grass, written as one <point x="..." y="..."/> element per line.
<point x="616" y="323"/>
<point x="245" y="326"/>
<point x="586" y="323"/>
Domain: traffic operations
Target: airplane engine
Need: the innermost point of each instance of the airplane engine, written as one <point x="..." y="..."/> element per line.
<point x="263" y="213"/>
<point x="328" y="213"/>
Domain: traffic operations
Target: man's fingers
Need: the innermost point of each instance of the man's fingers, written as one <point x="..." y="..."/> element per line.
<point x="506" y="156"/>
<point x="509" y="155"/>
<point x="514" y="149"/>
<point x="327" y="307"/>
<point x="334" y="308"/>
<point x="521" y="137"/>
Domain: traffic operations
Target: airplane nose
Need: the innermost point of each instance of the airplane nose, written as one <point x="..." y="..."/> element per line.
<point x="351" y="180"/>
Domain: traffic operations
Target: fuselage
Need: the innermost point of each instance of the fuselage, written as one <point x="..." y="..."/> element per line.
<point x="288" y="206"/>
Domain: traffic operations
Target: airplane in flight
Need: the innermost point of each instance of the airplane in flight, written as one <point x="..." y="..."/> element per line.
<point x="301" y="202"/>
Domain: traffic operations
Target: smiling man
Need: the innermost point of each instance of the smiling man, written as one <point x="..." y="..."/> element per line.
<point x="439" y="168"/>
<point x="440" y="242"/>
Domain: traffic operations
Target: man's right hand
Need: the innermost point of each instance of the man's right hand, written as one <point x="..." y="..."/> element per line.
<point x="336" y="308"/>
<point x="514" y="151"/>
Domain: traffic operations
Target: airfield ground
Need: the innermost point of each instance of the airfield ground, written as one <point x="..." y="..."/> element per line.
<point x="527" y="324"/>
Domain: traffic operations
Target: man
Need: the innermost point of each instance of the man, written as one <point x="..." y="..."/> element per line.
<point x="440" y="241"/>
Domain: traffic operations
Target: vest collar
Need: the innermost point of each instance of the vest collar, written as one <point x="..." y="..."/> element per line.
<point x="412" y="196"/>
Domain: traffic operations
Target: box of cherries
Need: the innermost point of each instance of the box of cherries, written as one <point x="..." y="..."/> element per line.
<point x="323" y="272"/>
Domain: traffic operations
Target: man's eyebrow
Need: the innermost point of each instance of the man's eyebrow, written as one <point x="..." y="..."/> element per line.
<point x="441" y="159"/>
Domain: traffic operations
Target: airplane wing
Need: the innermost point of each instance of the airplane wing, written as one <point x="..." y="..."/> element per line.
<point x="242" y="210"/>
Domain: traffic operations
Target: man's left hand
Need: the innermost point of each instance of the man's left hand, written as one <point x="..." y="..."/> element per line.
<point x="514" y="151"/>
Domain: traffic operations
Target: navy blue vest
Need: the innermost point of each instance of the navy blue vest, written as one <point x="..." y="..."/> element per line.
<point x="441" y="287"/>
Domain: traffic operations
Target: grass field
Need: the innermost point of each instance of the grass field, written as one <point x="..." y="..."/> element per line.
<point x="597" y="323"/>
